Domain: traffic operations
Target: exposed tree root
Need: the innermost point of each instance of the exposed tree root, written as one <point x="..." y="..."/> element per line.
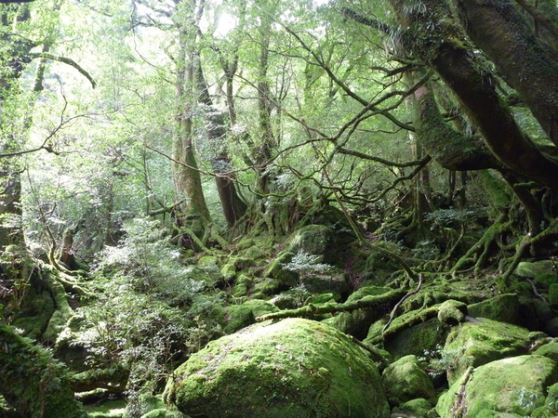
<point x="310" y="311"/>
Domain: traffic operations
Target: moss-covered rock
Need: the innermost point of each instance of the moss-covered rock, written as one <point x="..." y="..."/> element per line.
<point x="240" y="316"/>
<point x="482" y="341"/>
<point x="417" y="339"/>
<point x="452" y="312"/>
<point x="544" y="272"/>
<point x="549" y="350"/>
<point x="405" y="380"/>
<point x="32" y="382"/>
<point x="294" y="368"/>
<point x="357" y="322"/>
<point x="516" y="386"/>
<point x="503" y="308"/>
<point x="553" y="294"/>
<point x="418" y="408"/>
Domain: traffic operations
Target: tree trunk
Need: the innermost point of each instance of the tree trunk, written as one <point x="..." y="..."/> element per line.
<point x="187" y="177"/>
<point x="447" y="51"/>
<point x="233" y="207"/>
<point x="525" y="62"/>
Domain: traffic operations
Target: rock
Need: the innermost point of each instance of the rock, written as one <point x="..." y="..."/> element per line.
<point x="405" y="380"/>
<point x="357" y="322"/>
<point x="503" y="308"/>
<point x="313" y="240"/>
<point x="549" y="350"/>
<point x="240" y="316"/>
<point x="293" y="368"/>
<point x="452" y="312"/>
<point x="418" y="408"/>
<point x="417" y="339"/>
<point x="242" y="285"/>
<point x="482" y="341"/>
<point x="543" y="272"/>
<point x="514" y="386"/>
<point x="331" y="282"/>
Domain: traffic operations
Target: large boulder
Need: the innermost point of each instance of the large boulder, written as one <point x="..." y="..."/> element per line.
<point x="481" y="341"/>
<point x="405" y="380"/>
<point x="511" y="387"/>
<point x="294" y="368"/>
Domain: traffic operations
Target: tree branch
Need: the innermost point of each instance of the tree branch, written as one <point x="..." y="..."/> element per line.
<point x="65" y="60"/>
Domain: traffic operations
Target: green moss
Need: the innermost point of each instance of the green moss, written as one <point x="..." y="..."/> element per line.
<point x="357" y="322"/>
<point x="240" y="316"/>
<point x="515" y="385"/>
<point x="417" y="407"/>
<point x="452" y="312"/>
<point x="417" y="339"/>
<point x="549" y="350"/>
<point x="108" y="409"/>
<point x="504" y="308"/>
<point x="404" y="380"/>
<point x="294" y="368"/>
<point x="482" y="341"/>
<point x="32" y="382"/>
<point x="544" y="272"/>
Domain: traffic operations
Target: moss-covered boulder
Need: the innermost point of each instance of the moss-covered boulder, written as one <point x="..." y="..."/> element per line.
<point x="544" y="272"/>
<point x="240" y="316"/>
<point x="312" y="240"/>
<point x="549" y="350"/>
<point x="415" y="408"/>
<point x="405" y="380"/>
<point x="294" y="368"/>
<point x="515" y="386"/>
<point x="357" y="322"/>
<point x="504" y="308"/>
<point x="452" y="312"/>
<point x="32" y="382"/>
<point x="481" y="341"/>
<point x="418" y="339"/>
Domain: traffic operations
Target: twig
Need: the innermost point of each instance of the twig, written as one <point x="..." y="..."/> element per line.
<point x="398" y="304"/>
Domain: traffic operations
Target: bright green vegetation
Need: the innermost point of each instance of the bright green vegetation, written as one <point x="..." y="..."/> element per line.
<point x="278" y="208"/>
<point x="292" y="368"/>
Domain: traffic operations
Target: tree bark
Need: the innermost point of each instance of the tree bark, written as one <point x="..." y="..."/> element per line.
<point x="233" y="207"/>
<point x="436" y="39"/>
<point x="524" y="61"/>
<point x="187" y="177"/>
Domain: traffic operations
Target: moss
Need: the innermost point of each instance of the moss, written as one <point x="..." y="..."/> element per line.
<point x="543" y="272"/>
<point x="242" y="285"/>
<point x="35" y="313"/>
<point x="294" y="368"/>
<point x="240" y="316"/>
<point x="404" y="380"/>
<point x="357" y="323"/>
<point x="515" y="385"/>
<point x="549" y="350"/>
<point x="108" y="409"/>
<point x="32" y="382"/>
<point x="452" y="312"/>
<point x="504" y="308"/>
<point x="482" y="341"/>
<point x="417" y="339"/>
<point x="417" y="407"/>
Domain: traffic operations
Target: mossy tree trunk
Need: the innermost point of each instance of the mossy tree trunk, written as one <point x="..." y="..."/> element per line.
<point x="187" y="178"/>
<point x="233" y="207"/>
<point x="526" y="63"/>
<point x="435" y="38"/>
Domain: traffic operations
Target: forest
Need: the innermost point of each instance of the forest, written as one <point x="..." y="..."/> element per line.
<point x="278" y="208"/>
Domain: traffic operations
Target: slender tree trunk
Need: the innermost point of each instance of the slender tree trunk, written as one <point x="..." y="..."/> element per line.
<point x="187" y="178"/>
<point x="233" y="207"/>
